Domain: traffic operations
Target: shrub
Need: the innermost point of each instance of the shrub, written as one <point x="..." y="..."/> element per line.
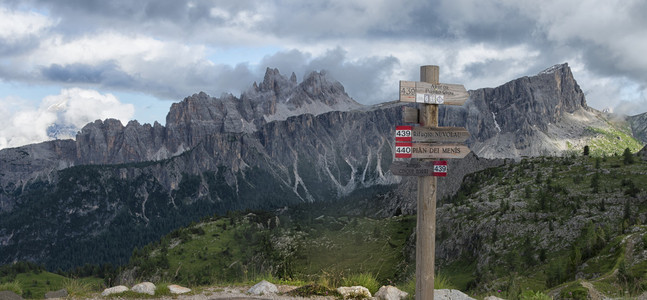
<point x="628" y="157"/>
<point x="13" y="286"/>
<point x="532" y="295"/>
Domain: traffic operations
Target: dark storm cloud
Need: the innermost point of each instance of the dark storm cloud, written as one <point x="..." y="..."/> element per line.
<point x="107" y="74"/>
<point x="18" y="47"/>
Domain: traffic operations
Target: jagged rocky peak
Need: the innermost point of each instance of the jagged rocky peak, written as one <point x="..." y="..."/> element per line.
<point x="528" y="116"/>
<point x="277" y="83"/>
<point x="320" y="87"/>
<point x="194" y="107"/>
<point x="554" y="69"/>
<point x="529" y="102"/>
<point x="572" y="96"/>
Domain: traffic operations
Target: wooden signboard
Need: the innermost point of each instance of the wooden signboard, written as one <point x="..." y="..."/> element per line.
<point x="412" y="168"/>
<point x="428" y="150"/>
<point x="419" y="168"/>
<point x="439" y="134"/>
<point x="431" y="134"/>
<point x="429" y="93"/>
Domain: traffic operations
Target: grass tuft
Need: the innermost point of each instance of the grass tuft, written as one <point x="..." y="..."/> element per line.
<point x="366" y="280"/>
<point x="77" y="287"/>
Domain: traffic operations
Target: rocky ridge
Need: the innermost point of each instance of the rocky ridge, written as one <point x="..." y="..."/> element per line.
<point x="639" y="126"/>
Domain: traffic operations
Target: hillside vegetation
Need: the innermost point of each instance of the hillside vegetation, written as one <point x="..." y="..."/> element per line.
<point x="549" y="223"/>
<point x="568" y="227"/>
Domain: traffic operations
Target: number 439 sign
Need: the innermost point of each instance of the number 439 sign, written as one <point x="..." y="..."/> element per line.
<point x="440" y="168"/>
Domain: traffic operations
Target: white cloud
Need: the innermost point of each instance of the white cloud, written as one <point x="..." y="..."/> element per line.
<point x="72" y="108"/>
<point x="16" y="25"/>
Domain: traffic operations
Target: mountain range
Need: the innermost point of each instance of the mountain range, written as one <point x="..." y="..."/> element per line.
<point x="93" y="199"/>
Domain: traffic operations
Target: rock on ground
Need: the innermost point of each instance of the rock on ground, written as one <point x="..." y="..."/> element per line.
<point x="451" y="295"/>
<point x="114" y="290"/>
<point x="492" y="298"/>
<point x="56" y="294"/>
<point x="354" y="292"/>
<point x="9" y="295"/>
<point x="388" y="292"/>
<point x="263" y="288"/>
<point x="144" y="288"/>
<point x="176" y="289"/>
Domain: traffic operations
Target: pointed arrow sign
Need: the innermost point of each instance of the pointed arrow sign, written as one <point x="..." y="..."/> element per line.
<point x="439" y="134"/>
<point x="425" y="150"/>
<point x="411" y="134"/>
<point x="419" y="168"/>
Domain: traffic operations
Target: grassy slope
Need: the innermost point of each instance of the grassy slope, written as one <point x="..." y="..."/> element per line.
<point x="539" y="223"/>
<point x="246" y="246"/>
<point x="34" y="285"/>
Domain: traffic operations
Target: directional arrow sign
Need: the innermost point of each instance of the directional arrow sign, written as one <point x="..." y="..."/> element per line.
<point x="419" y="168"/>
<point x="442" y="93"/>
<point x="425" y="150"/>
<point x="413" y="168"/>
<point x="439" y="134"/>
<point x="431" y="134"/>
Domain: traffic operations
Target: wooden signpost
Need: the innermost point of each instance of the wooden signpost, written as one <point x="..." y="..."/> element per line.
<point x="425" y="142"/>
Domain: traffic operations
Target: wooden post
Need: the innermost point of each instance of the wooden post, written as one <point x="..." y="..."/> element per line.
<point x="426" y="218"/>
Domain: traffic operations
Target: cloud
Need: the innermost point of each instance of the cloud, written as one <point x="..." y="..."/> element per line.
<point x="20" y="31"/>
<point x="630" y="108"/>
<point x="362" y="78"/>
<point x="167" y="48"/>
<point x="71" y="110"/>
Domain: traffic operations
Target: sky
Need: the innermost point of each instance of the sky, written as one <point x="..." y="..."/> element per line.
<point x="72" y="62"/>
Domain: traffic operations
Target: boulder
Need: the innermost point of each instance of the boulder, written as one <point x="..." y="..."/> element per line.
<point x="56" y="294"/>
<point x="176" y="289"/>
<point x="263" y="288"/>
<point x="388" y="292"/>
<point x="451" y="295"/>
<point x="492" y="298"/>
<point x="144" y="288"/>
<point x="9" y="295"/>
<point x="354" y="292"/>
<point x="114" y="290"/>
